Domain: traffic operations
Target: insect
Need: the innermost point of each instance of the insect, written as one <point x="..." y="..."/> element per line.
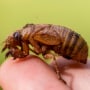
<point x="45" y="38"/>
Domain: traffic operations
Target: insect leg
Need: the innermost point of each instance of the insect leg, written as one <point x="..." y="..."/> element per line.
<point x="7" y="54"/>
<point x="25" y="48"/>
<point x="43" y="48"/>
<point x="17" y="53"/>
<point x="4" y="48"/>
<point x="56" y="66"/>
<point x="33" y="42"/>
<point x="57" y="69"/>
<point x="37" y="48"/>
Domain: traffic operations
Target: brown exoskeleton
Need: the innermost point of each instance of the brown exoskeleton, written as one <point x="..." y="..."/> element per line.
<point x="44" y="38"/>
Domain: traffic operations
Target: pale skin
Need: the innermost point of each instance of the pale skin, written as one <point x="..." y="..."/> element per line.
<point x="31" y="73"/>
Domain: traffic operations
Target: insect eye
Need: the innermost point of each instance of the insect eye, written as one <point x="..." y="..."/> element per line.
<point x="17" y="36"/>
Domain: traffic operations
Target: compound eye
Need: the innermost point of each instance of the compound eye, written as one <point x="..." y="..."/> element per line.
<point x="17" y="36"/>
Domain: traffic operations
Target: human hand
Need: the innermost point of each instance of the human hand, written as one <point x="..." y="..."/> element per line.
<point x="77" y="75"/>
<point x="31" y="73"/>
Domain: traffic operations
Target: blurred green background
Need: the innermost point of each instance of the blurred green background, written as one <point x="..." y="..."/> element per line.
<point x="71" y="13"/>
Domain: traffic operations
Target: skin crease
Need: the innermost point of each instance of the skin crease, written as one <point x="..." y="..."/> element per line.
<point x="31" y="73"/>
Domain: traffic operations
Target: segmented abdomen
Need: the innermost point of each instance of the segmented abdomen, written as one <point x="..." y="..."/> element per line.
<point x="72" y="45"/>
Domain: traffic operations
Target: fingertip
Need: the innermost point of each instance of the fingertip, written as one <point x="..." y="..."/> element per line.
<point x="15" y="70"/>
<point x="28" y="71"/>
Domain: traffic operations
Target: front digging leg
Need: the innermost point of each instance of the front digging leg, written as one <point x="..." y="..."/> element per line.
<point x="25" y="48"/>
<point x="16" y="53"/>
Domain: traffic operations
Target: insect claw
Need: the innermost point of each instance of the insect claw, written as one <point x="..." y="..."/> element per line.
<point x="8" y="54"/>
<point x="4" y="48"/>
